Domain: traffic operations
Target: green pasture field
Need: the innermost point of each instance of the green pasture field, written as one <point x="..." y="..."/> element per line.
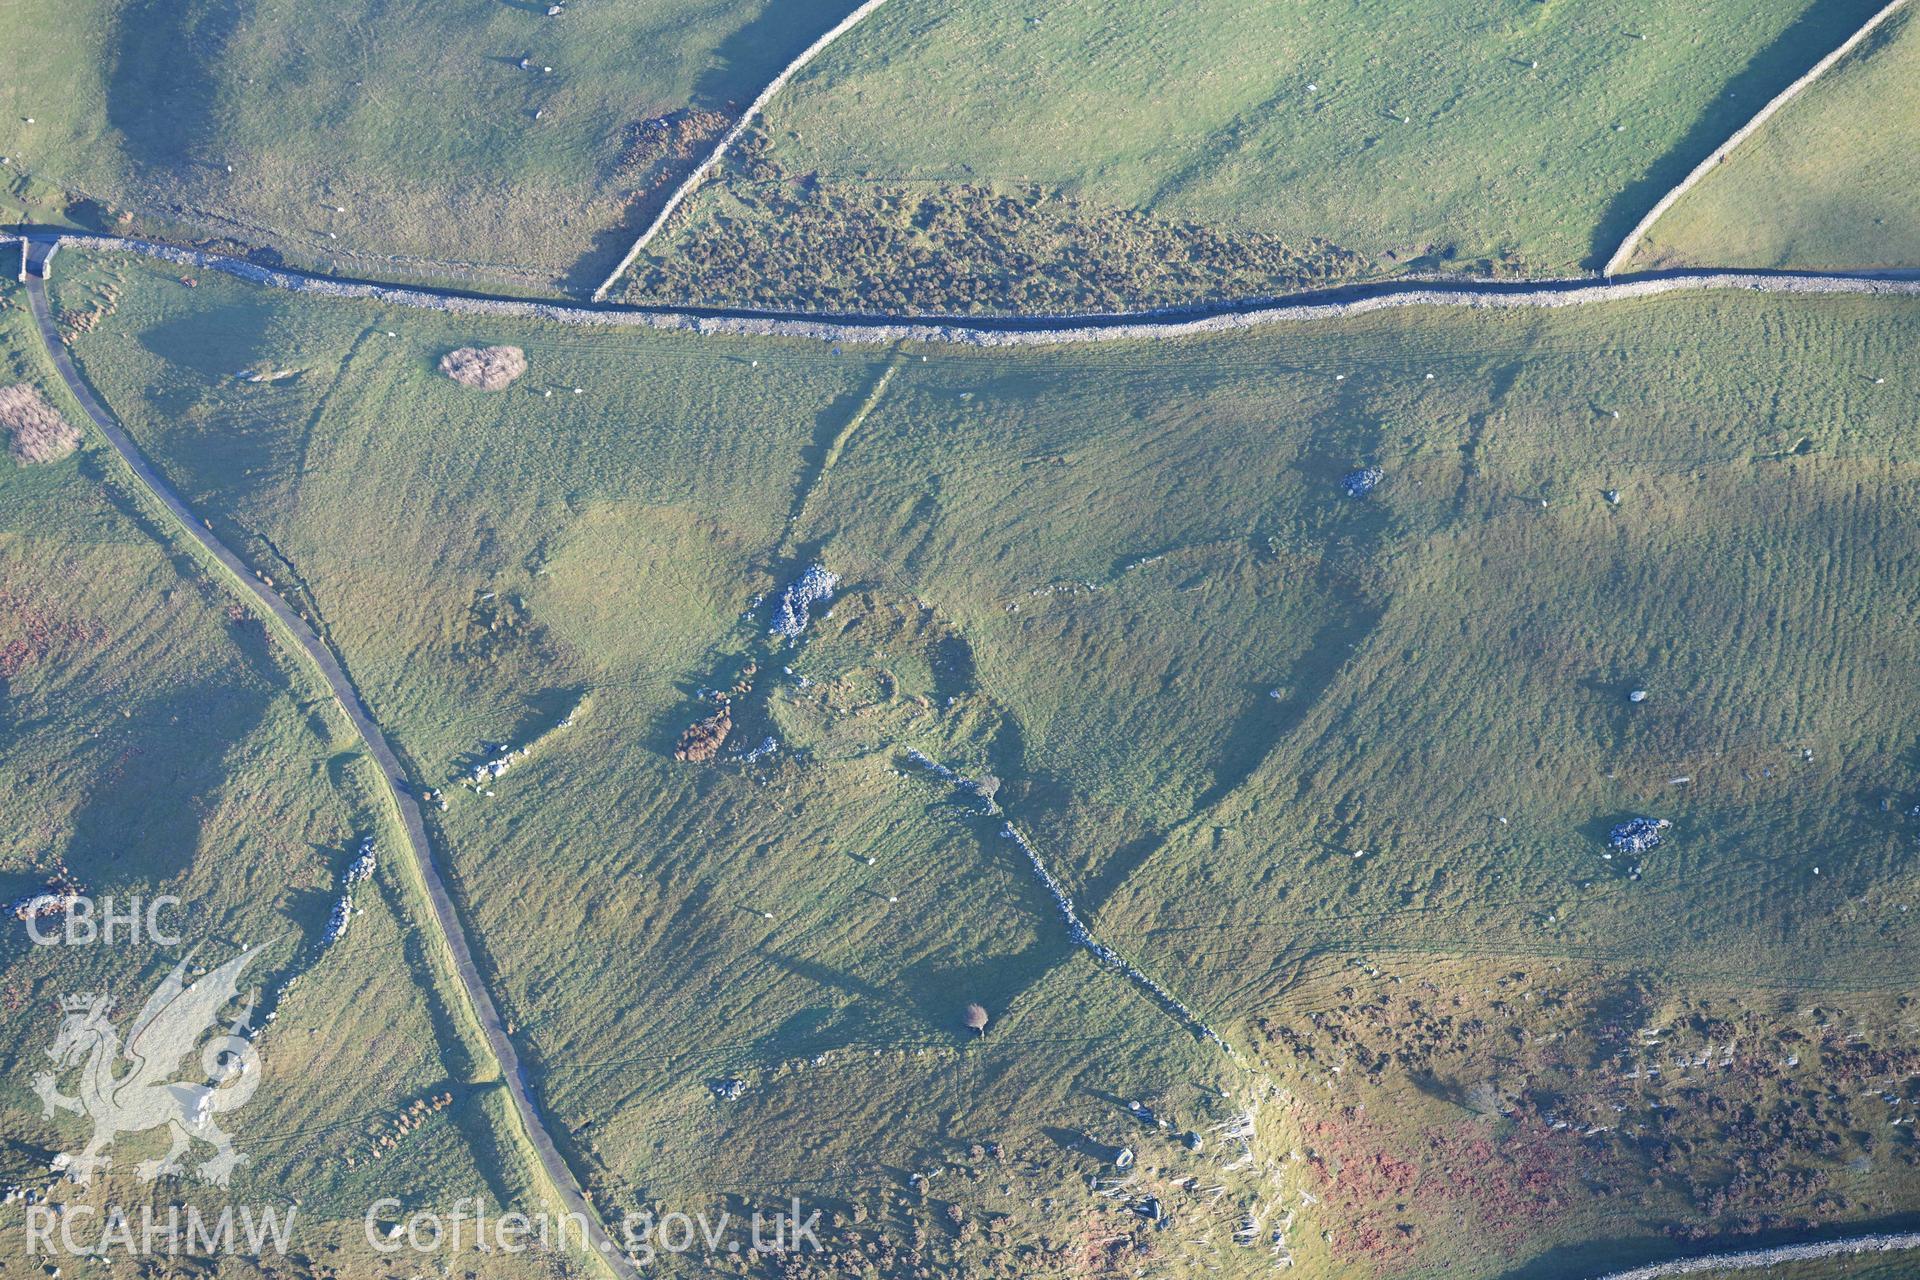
<point x="1262" y="730"/>
<point x="158" y="739"/>
<point x="1274" y="145"/>
<point x="1826" y="183"/>
<point x="612" y="590"/>
<point x="420" y="124"/>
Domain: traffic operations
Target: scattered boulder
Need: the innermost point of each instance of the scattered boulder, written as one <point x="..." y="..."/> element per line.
<point x="267" y="373"/>
<point x="744" y="684"/>
<point x="484" y="368"/>
<point x="728" y="1090"/>
<point x="701" y="741"/>
<point x="39" y="433"/>
<point x="41" y="906"/>
<point x="1638" y="695"/>
<point x="337" y="921"/>
<point x="361" y="868"/>
<point x="1637" y="835"/>
<point x="1360" y="483"/>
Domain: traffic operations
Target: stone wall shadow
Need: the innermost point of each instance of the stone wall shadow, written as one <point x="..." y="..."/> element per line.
<point x="741" y="66"/>
<point x="1817" y="32"/>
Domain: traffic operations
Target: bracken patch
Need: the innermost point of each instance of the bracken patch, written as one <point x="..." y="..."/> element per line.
<point x="796" y="241"/>
<point x="39" y="433"/>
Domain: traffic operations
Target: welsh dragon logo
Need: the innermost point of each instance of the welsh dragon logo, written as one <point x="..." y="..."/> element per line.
<point x="126" y="1089"/>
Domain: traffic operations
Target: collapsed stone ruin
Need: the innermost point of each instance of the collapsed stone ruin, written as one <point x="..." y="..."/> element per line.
<point x="1637" y="835"/>
<point x="815" y="586"/>
<point x="1360" y="483"/>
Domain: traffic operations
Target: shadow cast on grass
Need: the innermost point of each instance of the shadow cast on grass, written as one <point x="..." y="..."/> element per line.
<point x="163" y="90"/>
<point x="1814" y="34"/>
<point x="741" y="66"/>
<point x="926" y="997"/>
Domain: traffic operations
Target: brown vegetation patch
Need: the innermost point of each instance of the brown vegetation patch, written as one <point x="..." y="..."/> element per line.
<point x="1510" y="1097"/>
<point x="39" y="433"/>
<point x="29" y="631"/>
<point x="76" y="320"/>
<point x="497" y="623"/>
<point x="484" y="368"/>
<point x="777" y="239"/>
<point x="701" y="741"/>
<point x="1390" y="1189"/>
<point x="656" y="153"/>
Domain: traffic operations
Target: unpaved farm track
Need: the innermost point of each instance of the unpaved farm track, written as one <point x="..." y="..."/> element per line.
<point x="565" y="1186"/>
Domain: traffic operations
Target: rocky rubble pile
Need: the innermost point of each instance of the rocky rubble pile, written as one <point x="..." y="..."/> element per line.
<point x="1360" y="483"/>
<point x="488" y="770"/>
<point x="982" y="789"/>
<point x="815" y="586"/>
<point x="362" y="865"/>
<point x="357" y="872"/>
<point x="1637" y="835"/>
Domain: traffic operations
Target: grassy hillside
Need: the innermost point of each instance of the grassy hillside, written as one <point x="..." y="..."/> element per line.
<point x="1302" y="758"/>
<point x="1827" y="183"/>
<point x="158" y="739"/>
<point x="656" y="928"/>
<point x="345" y="135"/>
<point x="1105" y="155"/>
